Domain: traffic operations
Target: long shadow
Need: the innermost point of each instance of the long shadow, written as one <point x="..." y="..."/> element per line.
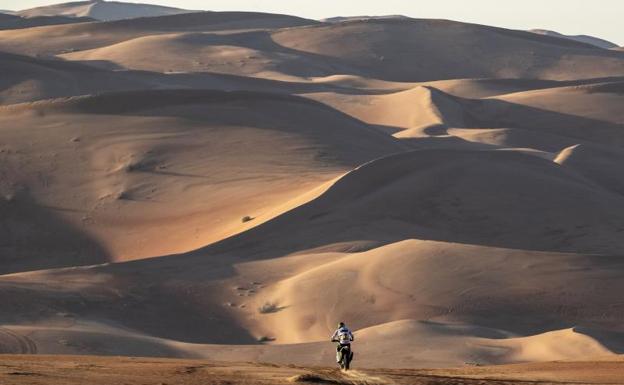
<point x="231" y="82"/>
<point x="8" y="22"/>
<point x="611" y="339"/>
<point x="495" y="113"/>
<point x="34" y="237"/>
<point x="58" y="78"/>
<point x="156" y="300"/>
<point x="340" y="133"/>
<point x="205" y="21"/>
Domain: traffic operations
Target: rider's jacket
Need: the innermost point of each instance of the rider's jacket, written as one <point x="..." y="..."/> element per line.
<point x="343" y="335"/>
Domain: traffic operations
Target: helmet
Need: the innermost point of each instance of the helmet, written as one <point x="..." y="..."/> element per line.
<point x="341" y="324"/>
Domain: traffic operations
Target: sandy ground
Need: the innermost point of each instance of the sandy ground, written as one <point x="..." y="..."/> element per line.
<point x="49" y="370"/>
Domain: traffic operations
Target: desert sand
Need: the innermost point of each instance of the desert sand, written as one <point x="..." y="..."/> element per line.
<point x="101" y="10"/>
<point x="227" y="186"/>
<point x="598" y="42"/>
<point x="51" y="370"/>
<point x="10" y="21"/>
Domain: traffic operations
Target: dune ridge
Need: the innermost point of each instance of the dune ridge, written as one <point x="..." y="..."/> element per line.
<point x="102" y="10"/>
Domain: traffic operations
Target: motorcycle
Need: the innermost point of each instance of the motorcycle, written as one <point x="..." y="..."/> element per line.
<point x="345" y="356"/>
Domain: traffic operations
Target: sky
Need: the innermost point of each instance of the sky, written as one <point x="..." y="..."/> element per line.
<point x="600" y="18"/>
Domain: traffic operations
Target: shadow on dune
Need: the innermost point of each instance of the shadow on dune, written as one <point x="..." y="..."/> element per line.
<point x="29" y="79"/>
<point x="612" y="340"/>
<point x="481" y="114"/>
<point x="173" y="301"/>
<point x="34" y="237"/>
<point x="497" y="113"/>
<point x="494" y="113"/>
<point x="446" y="195"/>
<point x="341" y="139"/>
<point x="204" y="21"/>
<point x="231" y="82"/>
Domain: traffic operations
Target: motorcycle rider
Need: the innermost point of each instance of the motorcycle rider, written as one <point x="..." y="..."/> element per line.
<point x="344" y="337"/>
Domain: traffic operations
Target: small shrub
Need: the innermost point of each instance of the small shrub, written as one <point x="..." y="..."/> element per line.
<point x="269" y="307"/>
<point x="124" y="195"/>
<point x="265" y="339"/>
<point x="246" y="218"/>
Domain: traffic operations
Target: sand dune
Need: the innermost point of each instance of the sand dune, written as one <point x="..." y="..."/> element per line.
<point x="340" y="19"/>
<point x="29" y="79"/>
<point x="580" y="38"/>
<point x="592" y="101"/>
<point x="54" y="40"/>
<point x="102" y="10"/>
<point x="324" y="50"/>
<point x="405" y="280"/>
<point x="424" y="109"/>
<point x="595" y="163"/>
<point x="229" y="185"/>
<point x="548" y="119"/>
<point x="409" y="280"/>
<point x="440" y="51"/>
<point x="472" y="345"/>
<point x="250" y="54"/>
<point x="17" y="22"/>
<point x="391" y="282"/>
<point x="130" y="152"/>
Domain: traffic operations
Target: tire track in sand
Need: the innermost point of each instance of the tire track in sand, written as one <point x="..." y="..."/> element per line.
<point x="356" y="377"/>
<point x="339" y="377"/>
<point x="13" y="343"/>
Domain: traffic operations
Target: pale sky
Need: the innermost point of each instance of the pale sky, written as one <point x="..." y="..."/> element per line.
<point x="600" y="18"/>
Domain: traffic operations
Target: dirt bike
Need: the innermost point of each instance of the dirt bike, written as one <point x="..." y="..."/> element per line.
<point x="346" y="356"/>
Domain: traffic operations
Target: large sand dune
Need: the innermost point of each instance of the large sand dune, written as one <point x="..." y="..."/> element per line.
<point x="125" y="153"/>
<point x="26" y="79"/>
<point x="557" y="115"/>
<point x="102" y="10"/>
<point x="330" y="44"/>
<point x="443" y="194"/>
<point x="443" y="49"/>
<point x="8" y="21"/>
<point x="440" y="49"/>
<point x="78" y="37"/>
<point x="581" y="38"/>
<point x="230" y="185"/>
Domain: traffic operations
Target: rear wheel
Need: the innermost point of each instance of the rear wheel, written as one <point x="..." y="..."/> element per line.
<point x="346" y="359"/>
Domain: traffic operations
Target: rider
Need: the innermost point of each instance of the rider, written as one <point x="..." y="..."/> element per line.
<point x="344" y="337"/>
